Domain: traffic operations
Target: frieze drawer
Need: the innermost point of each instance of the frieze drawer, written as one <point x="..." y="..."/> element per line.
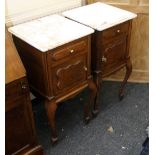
<point x="65" y="51"/>
<point x="116" y="31"/>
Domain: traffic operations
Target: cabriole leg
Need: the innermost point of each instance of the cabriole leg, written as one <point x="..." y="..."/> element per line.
<point x="51" y="108"/>
<point x="98" y="81"/>
<point x="127" y="75"/>
<point x="89" y="106"/>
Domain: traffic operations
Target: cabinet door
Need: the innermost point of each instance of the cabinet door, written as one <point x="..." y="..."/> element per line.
<point x="69" y="74"/>
<point x="114" y="54"/>
<point x="19" y="127"/>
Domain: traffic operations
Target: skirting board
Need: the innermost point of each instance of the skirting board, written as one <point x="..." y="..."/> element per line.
<point x="137" y="76"/>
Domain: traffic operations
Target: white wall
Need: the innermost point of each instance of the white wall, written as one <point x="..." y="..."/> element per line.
<point x="18" y="11"/>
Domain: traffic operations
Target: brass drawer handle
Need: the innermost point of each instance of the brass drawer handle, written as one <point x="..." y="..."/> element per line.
<point x="24" y="86"/>
<point x="71" y="51"/>
<point x="118" y="31"/>
<point x="104" y="59"/>
<point x="85" y="68"/>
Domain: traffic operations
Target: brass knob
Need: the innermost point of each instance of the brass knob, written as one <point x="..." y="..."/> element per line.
<point x="118" y="31"/>
<point x="71" y="51"/>
<point x="85" y="68"/>
<point x="104" y="59"/>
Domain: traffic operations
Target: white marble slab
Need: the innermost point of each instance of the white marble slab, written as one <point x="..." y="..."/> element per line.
<point x="99" y="16"/>
<point x="50" y="32"/>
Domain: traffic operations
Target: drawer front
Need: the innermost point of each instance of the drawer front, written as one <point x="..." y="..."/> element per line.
<point x="116" y="31"/>
<point x="69" y="74"/>
<point x="16" y="89"/>
<point x="114" y="54"/>
<point x="68" y="51"/>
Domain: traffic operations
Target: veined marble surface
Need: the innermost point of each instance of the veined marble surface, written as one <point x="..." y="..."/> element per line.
<point x="50" y="32"/>
<point x="99" y="16"/>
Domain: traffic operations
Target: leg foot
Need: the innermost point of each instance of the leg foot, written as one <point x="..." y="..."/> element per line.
<point x="95" y="112"/>
<point x="121" y="96"/>
<point x="54" y="140"/>
<point x="87" y="119"/>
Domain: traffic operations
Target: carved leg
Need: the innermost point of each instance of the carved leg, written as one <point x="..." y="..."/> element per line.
<point x="127" y="75"/>
<point x="51" y="107"/>
<point x="92" y="94"/>
<point x="98" y="81"/>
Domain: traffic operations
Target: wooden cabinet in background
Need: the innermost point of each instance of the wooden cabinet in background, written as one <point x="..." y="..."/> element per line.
<point x="20" y="132"/>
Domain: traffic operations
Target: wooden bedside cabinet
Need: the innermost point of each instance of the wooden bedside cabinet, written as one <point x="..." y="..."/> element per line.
<point x="112" y="53"/>
<point x="110" y="42"/>
<point x="112" y="45"/>
<point x="19" y="123"/>
<point x="57" y="59"/>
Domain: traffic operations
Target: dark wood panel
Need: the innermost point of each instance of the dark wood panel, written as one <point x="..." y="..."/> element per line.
<point x="114" y="54"/>
<point x="16" y="88"/>
<point x="36" y="67"/>
<point x="19" y="123"/>
<point x="18" y="126"/>
<point x="69" y="74"/>
<point x="115" y="31"/>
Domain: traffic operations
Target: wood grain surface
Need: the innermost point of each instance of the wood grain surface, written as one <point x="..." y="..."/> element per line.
<point x="14" y="68"/>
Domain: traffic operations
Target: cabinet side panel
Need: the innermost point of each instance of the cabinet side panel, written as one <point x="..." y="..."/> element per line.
<point x="36" y="67"/>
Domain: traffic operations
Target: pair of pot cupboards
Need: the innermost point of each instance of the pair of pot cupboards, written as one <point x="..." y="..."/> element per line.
<point x="63" y="54"/>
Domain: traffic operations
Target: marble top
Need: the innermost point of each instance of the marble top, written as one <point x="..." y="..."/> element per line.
<point x="50" y="32"/>
<point x="99" y="16"/>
